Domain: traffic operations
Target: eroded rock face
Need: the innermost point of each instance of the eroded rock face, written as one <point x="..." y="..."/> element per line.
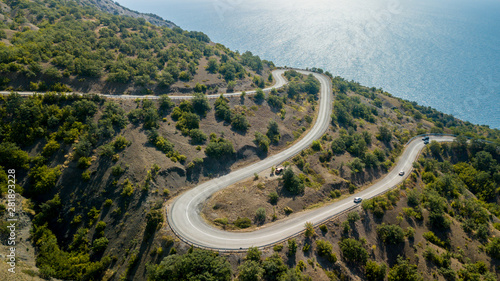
<point x="114" y="8"/>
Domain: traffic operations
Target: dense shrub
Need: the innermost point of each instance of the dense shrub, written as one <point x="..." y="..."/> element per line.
<point x="404" y="271"/>
<point x="240" y="122"/>
<point x="219" y="147"/>
<point x="197" y="136"/>
<point x="195" y="265"/>
<point x="12" y="156"/>
<point x="493" y="248"/>
<point x="43" y="178"/>
<point x="250" y="270"/>
<point x="292" y="182"/>
<point x="324" y="249"/>
<point x="273" y="197"/>
<point x="390" y="233"/>
<point x="375" y="272"/>
<point x="200" y="104"/>
<point x="242" y="222"/>
<point x="353" y="251"/>
<point x="274" y="267"/>
<point x="154" y="218"/>
<point x="259" y="96"/>
<point x="262" y="141"/>
<point x="253" y="253"/>
<point x="100" y="244"/>
<point x="260" y="214"/>
<point x="273" y="131"/>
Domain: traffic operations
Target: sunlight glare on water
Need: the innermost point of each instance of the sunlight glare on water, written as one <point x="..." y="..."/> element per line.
<point x="443" y="54"/>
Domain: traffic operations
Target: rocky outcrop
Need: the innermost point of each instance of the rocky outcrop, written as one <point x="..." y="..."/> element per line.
<point x="114" y="8"/>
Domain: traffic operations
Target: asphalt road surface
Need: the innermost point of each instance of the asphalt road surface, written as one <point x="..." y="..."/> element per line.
<point x="184" y="214"/>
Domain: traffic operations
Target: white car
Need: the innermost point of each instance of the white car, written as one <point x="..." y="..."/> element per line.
<point x="357" y="199"/>
<point x="402" y="173"/>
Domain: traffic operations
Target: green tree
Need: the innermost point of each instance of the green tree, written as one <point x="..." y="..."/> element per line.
<point x="253" y="254"/>
<point x="273" y="131"/>
<point x="44" y="178"/>
<point x="309" y="229"/>
<point x="230" y="86"/>
<point x="166" y="103"/>
<point x="154" y="219"/>
<point x="273" y="197"/>
<point x="274" y="267"/>
<point x="200" y="104"/>
<point x="151" y="118"/>
<point x="212" y="66"/>
<point x="200" y="88"/>
<point x="184" y="76"/>
<point x="493" y="248"/>
<point x="165" y="79"/>
<point x="390" y="233"/>
<point x="292" y="247"/>
<point x="100" y="244"/>
<point x="240" y="122"/>
<point x="375" y="271"/>
<point x="262" y="141"/>
<point x="83" y="108"/>
<point x="188" y="121"/>
<point x="484" y="161"/>
<point x="292" y="182"/>
<point x="222" y="109"/>
<point x="353" y="251"/>
<point x="275" y="101"/>
<point x="384" y="134"/>
<point x="324" y="249"/>
<point x="195" y="265"/>
<point x="293" y="90"/>
<point x="250" y="270"/>
<point x="259" y="96"/>
<point x="242" y="222"/>
<point x="435" y="148"/>
<point x="316" y="145"/>
<point x="218" y="148"/>
<point x="260" y="214"/>
<point x="197" y="136"/>
<point x="404" y="271"/>
<point x="12" y="156"/>
<point x="353" y="217"/>
<point x="338" y="146"/>
<point x="50" y="148"/>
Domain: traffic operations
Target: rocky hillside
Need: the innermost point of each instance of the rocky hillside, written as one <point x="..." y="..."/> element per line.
<point x="65" y="46"/>
<point x="93" y="174"/>
<point x="114" y="8"/>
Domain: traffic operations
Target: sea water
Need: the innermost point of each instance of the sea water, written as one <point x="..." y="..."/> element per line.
<point x="439" y="53"/>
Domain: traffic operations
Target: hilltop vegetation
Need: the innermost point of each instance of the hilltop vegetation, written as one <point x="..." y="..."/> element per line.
<point x="63" y="46"/>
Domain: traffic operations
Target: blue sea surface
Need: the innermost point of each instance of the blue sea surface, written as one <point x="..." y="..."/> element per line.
<point x="439" y="53"/>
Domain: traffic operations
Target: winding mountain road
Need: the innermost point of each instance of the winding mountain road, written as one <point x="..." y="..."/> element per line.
<point x="184" y="214"/>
